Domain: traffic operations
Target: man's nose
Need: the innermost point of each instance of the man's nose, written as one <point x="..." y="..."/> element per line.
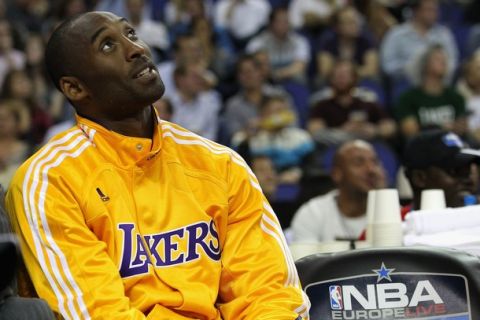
<point x="133" y="49"/>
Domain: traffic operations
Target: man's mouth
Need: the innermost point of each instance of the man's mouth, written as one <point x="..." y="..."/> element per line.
<point x="145" y="72"/>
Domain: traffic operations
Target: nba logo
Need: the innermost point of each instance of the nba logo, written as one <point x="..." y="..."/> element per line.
<point x="336" y="301"/>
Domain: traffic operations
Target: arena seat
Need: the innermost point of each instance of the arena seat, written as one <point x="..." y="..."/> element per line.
<point x="300" y="94"/>
<point x="392" y="283"/>
<point x="9" y="255"/>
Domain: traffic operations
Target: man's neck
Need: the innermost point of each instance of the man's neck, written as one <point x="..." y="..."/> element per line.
<point x="344" y="99"/>
<point x="140" y="125"/>
<point x="351" y="205"/>
<point x="433" y="85"/>
<point x="253" y="94"/>
<point x="346" y="41"/>
<point x="419" y="27"/>
<point x="187" y="96"/>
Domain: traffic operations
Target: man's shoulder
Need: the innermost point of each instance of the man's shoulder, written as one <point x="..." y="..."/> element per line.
<point x="366" y="105"/>
<point x="440" y="29"/>
<point x="321" y="202"/>
<point x="404" y="28"/>
<point x="55" y="156"/>
<point x="315" y="210"/>
<point x="194" y="151"/>
<point x="326" y="102"/>
<point x="413" y="94"/>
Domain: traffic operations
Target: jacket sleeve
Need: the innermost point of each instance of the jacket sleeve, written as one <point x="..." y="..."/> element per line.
<point x="259" y="279"/>
<point x="69" y="267"/>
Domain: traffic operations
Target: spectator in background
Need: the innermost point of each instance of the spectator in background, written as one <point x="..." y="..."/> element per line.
<point x="34" y="119"/>
<point x="62" y="10"/>
<point x="164" y="109"/>
<point x="439" y="159"/>
<point x="311" y="15"/>
<point x="431" y="104"/>
<point x="117" y="7"/>
<point x="341" y="213"/>
<point x="347" y="41"/>
<point x="195" y="107"/>
<point x="283" y="205"/>
<point x="469" y="88"/>
<point x="241" y="111"/>
<point x="277" y="137"/>
<point x="3" y="10"/>
<point x="13" y="151"/>
<point x="408" y="40"/>
<point x="264" y="169"/>
<point x="153" y="33"/>
<point x="379" y="20"/>
<point x="179" y="15"/>
<point x="52" y="101"/>
<point x="242" y="19"/>
<point x="186" y="50"/>
<point x="10" y="58"/>
<point x="345" y="116"/>
<point x="288" y="52"/>
<point x="216" y="46"/>
<point x="35" y="68"/>
<point x="28" y="15"/>
<point x="263" y="61"/>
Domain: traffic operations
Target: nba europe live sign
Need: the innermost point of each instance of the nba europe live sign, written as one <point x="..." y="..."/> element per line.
<point x="388" y="294"/>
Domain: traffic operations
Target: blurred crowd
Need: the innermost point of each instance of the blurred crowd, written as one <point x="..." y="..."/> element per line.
<point x="283" y="82"/>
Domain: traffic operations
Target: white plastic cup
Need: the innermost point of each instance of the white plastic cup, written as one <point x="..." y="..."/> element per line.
<point x="303" y="249"/>
<point x="387" y="235"/>
<point x="387" y="207"/>
<point x="370" y="214"/>
<point x="432" y="199"/>
<point x="386" y="229"/>
<point x="334" y="246"/>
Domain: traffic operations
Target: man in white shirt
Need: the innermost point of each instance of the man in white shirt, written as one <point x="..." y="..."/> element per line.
<point x="10" y="58"/>
<point x="195" y="106"/>
<point x="153" y="33"/>
<point x="340" y="214"/>
<point x="406" y="42"/>
<point x="288" y="51"/>
<point x="241" y="18"/>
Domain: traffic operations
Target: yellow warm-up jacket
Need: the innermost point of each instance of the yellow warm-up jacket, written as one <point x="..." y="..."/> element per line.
<point x="174" y="227"/>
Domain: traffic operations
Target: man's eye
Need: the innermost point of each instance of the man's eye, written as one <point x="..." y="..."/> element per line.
<point x="132" y="34"/>
<point x="107" y="46"/>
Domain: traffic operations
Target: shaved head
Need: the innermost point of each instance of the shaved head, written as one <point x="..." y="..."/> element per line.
<point x="345" y="149"/>
<point x="65" y="48"/>
<point x="103" y="68"/>
<point x="357" y="169"/>
<point x="59" y="56"/>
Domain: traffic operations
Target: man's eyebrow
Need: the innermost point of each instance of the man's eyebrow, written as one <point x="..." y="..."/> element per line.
<point x="99" y="31"/>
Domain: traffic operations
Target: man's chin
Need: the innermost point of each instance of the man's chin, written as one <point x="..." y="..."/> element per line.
<point x="153" y="95"/>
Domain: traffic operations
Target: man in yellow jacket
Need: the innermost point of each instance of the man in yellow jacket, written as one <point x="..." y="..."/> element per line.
<point x="127" y="216"/>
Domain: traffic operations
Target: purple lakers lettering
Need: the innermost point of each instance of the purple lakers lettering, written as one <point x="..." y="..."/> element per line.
<point x="164" y="249"/>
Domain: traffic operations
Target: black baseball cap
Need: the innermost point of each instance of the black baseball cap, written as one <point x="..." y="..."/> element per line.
<point x="440" y="149"/>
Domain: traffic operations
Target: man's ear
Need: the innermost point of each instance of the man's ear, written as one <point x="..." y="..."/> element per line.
<point x="419" y="178"/>
<point x="73" y="88"/>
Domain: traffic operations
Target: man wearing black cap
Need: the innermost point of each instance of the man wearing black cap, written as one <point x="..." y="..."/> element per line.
<point x="439" y="159"/>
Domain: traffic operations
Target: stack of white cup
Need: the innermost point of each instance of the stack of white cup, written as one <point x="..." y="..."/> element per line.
<point x="370" y="214"/>
<point x="384" y="220"/>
